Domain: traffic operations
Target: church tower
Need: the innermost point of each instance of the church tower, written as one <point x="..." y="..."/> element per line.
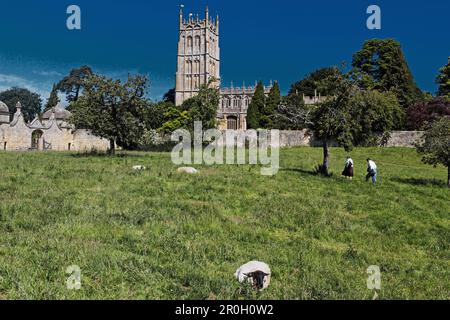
<point x="198" y="58"/>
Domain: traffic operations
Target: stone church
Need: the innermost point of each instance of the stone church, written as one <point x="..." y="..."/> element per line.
<point x="50" y="131"/>
<point x="198" y="61"/>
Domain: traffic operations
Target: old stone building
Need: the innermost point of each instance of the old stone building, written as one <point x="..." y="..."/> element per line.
<point x="198" y="58"/>
<point x="49" y="132"/>
<point x="233" y="106"/>
<point x="198" y="61"/>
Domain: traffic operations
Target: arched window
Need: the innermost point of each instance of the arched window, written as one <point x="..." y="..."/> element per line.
<point x="196" y="82"/>
<point x="197" y="66"/>
<point x="197" y="43"/>
<point x="189" y="42"/>
<point x="232" y="123"/>
<point x="188" y="67"/>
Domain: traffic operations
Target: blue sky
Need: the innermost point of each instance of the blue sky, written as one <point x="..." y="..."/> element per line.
<point x="268" y="40"/>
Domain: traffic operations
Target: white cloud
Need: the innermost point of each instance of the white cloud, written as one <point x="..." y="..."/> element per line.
<point x="46" y="73"/>
<point x="8" y="81"/>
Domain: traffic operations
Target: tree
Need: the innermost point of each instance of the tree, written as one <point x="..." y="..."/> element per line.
<point x="443" y="80"/>
<point x="175" y="119"/>
<point x="352" y="117"/>
<point x="424" y="113"/>
<point x="436" y="145"/>
<point x="292" y="113"/>
<point x="372" y="113"/>
<point x="154" y="115"/>
<point x="53" y="99"/>
<point x="31" y="102"/>
<point x="73" y="84"/>
<point x="271" y="106"/>
<point x="256" y="107"/>
<point x="380" y="65"/>
<point x="169" y="96"/>
<point x="349" y="116"/>
<point x="311" y="82"/>
<point x="112" y="109"/>
<point x="202" y="107"/>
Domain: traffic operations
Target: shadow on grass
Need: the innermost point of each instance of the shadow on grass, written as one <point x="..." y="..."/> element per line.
<point x="421" y="182"/>
<point x="102" y="154"/>
<point x="305" y="172"/>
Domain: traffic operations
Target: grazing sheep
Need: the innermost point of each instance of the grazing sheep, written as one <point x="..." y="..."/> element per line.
<point x="256" y="272"/>
<point x="138" y="168"/>
<point x="188" y="170"/>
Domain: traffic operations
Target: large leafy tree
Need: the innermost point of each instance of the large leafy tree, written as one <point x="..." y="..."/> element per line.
<point x="426" y="112"/>
<point x="436" y="145"/>
<point x="112" y="109"/>
<point x="443" y="80"/>
<point x="349" y="116"/>
<point x="352" y="116"/>
<point x="202" y="107"/>
<point x="73" y="84"/>
<point x="256" y="107"/>
<point x="53" y="99"/>
<point x="308" y="85"/>
<point x="381" y="65"/>
<point x="31" y="102"/>
<point x="271" y="106"/>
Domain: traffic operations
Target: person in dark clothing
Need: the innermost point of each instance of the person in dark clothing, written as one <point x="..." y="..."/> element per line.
<point x="349" y="168"/>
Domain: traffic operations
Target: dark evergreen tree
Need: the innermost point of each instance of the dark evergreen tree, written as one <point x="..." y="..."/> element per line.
<point x="380" y="65"/>
<point x="311" y="82"/>
<point x="256" y="107"/>
<point x="73" y="84"/>
<point x="271" y="106"/>
<point x="53" y="99"/>
<point x="169" y="96"/>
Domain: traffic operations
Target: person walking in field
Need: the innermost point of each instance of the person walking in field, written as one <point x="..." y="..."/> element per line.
<point x="371" y="171"/>
<point x="349" y="168"/>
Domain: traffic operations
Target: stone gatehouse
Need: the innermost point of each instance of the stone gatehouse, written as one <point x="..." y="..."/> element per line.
<point x="50" y="131"/>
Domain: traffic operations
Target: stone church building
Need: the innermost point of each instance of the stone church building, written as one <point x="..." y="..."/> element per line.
<point x="198" y="61"/>
<point x="51" y="131"/>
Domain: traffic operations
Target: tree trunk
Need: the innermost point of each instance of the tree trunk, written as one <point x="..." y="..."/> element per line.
<point x="112" y="147"/>
<point x="326" y="158"/>
<point x="448" y="176"/>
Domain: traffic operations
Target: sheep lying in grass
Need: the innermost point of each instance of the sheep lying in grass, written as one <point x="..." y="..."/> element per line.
<point x="138" y="168"/>
<point x="188" y="170"/>
<point x="256" y="272"/>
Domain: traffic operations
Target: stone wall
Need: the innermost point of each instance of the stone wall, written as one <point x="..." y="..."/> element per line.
<point x="404" y="138"/>
<point x="296" y="138"/>
<point x="17" y="136"/>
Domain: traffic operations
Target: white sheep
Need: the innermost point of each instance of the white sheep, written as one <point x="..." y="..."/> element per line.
<point x="256" y="272"/>
<point x="138" y="168"/>
<point x="188" y="170"/>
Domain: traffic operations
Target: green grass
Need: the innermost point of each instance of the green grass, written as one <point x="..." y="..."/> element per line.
<point x="163" y="235"/>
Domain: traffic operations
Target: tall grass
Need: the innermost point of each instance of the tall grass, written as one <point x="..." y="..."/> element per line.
<point x="158" y="234"/>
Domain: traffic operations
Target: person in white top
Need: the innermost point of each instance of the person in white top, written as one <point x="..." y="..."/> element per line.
<point x="372" y="171"/>
<point x="348" y="169"/>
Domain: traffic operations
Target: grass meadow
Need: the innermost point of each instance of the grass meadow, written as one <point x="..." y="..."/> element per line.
<point x="159" y="234"/>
